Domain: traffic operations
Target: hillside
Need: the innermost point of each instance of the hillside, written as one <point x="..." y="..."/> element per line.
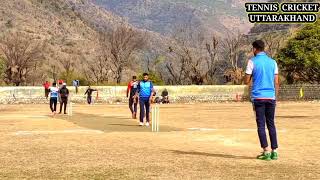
<point x="64" y="24"/>
<point x="70" y="29"/>
<point x="220" y="16"/>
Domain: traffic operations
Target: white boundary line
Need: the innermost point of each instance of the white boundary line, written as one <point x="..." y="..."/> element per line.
<point x="22" y="116"/>
<point x="71" y="131"/>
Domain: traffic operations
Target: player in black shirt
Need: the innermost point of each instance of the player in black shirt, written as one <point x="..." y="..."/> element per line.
<point x="89" y="94"/>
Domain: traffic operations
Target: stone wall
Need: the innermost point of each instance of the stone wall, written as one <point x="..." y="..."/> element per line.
<point x="178" y="94"/>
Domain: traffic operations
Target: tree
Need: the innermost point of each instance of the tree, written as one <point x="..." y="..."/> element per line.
<point x="273" y="43"/>
<point x="188" y="50"/>
<point x="20" y="53"/>
<point x="213" y="51"/>
<point x="300" y="59"/>
<point x="123" y="42"/>
<point x="98" y="70"/>
<point x="68" y="64"/>
<point x="2" y="68"/>
<point x="233" y="50"/>
<point x="154" y="77"/>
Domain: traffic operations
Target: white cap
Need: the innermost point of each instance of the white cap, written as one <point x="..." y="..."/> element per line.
<point x="64" y="84"/>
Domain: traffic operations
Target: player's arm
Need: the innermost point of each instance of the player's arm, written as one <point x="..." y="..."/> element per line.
<point x="249" y="71"/>
<point x="138" y="90"/>
<point x="128" y="89"/>
<point x="247" y="80"/>
<point x="59" y="93"/>
<point x="152" y="92"/>
<point x="276" y="80"/>
<point x="276" y="84"/>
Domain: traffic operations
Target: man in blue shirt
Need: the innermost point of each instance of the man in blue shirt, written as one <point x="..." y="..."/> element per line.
<point x="54" y="93"/>
<point x="76" y="84"/>
<point x="145" y="92"/>
<point x="263" y="71"/>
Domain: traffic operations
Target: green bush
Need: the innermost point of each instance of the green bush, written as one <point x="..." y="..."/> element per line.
<point x="154" y="77"/>
<point x="68" y="77"/>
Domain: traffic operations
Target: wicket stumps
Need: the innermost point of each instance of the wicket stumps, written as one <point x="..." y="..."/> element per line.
<point x="69" y="107"/>
<point x="155" y="119"/>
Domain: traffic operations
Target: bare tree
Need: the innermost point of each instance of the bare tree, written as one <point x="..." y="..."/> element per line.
<point x="213" y="50"/>
<point x="189" y="54"/>
<point x="273" y="43"/>
<point x="20" y="54"/>
<point x="232" y="48"/>
<point x="123" y="42"/>
<point x="99" y="69"/>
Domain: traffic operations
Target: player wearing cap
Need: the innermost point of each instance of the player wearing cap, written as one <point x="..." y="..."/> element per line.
<point x="64" y="94"/>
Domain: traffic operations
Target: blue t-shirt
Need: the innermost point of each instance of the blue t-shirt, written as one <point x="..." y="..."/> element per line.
<point x="263" y="70"/>
<point x="54" y="92"/>
<point x="145" y="89"/>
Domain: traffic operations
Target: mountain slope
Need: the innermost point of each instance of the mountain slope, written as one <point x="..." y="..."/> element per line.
<point x="220" y="16"/>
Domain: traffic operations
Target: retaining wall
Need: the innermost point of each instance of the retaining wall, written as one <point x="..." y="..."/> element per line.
<point x="178" y="94"/>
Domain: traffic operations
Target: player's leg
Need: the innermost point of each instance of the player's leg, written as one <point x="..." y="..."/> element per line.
<point x="270" y="113"/>
<point x="55" y="102"/>
<point x="130" y="105"/>
<point x="142" y="104"/>
<point x="65" y="105"/>
<point x="46" y="93"/>
<point x="51" y="105"/>
<point x="135" y="109"/>
<point x="89" y="99"/>
<point x="61" y="104"/>
<point x="259" y="106"/>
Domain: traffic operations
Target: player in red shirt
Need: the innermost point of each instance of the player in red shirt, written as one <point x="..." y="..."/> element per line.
<point x="46" y="86"/>
<point x="131" y="91"/>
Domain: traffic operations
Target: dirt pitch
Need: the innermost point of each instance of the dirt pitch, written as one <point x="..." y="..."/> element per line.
<point x="197" y="141"/>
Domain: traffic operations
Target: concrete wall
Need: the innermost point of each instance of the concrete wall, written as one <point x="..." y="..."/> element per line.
<point x="112" y="94"/>
<point x="183" y="94"/>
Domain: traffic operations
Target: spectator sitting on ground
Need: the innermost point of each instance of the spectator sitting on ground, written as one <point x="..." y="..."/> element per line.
<point x="165" y="96"/>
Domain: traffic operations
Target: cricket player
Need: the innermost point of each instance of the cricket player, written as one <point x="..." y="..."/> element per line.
<point x="89" y="92"/>
<point x="131" y="94"/>
<point x="54" y="93"/>
<point x="64" y="94"/>
<point x="145" y="92"/>
<point x="46" y="86"/>
<point x="263" y="71"/>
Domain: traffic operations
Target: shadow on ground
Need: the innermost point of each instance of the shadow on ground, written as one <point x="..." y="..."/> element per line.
<point x="292" y="117"/>
<point x="111" y="123"/>
<point x="227" y="156"/>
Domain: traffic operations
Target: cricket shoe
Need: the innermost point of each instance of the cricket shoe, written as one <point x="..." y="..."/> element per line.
<point x="147" y="124"/>
<point x="274" y="155"/>
<point x="141" y="124"/>
<point x="266" y="156"/>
